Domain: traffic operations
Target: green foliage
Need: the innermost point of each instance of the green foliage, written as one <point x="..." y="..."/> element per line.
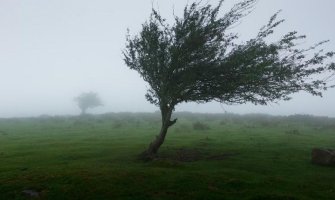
<point x="198" y="58"/>
<point x="200" y="126"/>
<point x="88" y="100"/>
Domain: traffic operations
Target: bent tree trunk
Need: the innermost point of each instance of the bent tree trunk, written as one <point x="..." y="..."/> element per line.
<point x="152" y="150"/>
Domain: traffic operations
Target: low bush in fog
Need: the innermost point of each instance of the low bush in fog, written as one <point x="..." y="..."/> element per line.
<point x="186" y="122"/>
<point x="200" y="126"/>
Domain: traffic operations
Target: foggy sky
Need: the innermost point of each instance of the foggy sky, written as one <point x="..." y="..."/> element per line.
<point x="52" y="50"/>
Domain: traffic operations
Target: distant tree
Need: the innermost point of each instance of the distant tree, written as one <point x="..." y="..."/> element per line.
<point x="199" y="59"/>
<point x="88" y="100"/>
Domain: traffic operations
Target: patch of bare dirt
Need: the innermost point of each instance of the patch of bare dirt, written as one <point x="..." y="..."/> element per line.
<point x="192" y="155"/>
<point x="221" y="156"/>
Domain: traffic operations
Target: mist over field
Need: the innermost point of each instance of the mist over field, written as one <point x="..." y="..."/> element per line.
<point x="119" y="99"/>
<point x="52" y="51"/>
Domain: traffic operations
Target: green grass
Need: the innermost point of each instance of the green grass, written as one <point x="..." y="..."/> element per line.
<point x="96" y="158"/>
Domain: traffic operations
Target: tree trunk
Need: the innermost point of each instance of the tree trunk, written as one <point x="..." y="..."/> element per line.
<point x="152" y="150"/>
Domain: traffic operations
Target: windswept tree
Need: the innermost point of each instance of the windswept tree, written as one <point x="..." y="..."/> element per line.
<point x="88" y="100"/>
<point x="199" y="59"/>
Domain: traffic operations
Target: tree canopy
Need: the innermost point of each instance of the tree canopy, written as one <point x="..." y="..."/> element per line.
<point x="199" y="59"/>
<point x="88" y="100"/>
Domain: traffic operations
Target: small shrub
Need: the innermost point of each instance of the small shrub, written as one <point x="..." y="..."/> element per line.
<point x="200" y="126"/>
<point x="117" y="125"/>
<point x="182" y="128"/>
<point x="137" y="123"/>
<point x="273" y="197"/>
<point x="100" y="121"/>
<point x="83" y="123"/>
<point x="3" y="132"/>
<point x="223" y="122"/>
<point x="293" y="132"/>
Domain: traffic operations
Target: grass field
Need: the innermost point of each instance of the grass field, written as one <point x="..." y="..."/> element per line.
<point x="252" y="157"/>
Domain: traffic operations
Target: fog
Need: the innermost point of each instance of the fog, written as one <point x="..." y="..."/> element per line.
<point x="51" y="51"/>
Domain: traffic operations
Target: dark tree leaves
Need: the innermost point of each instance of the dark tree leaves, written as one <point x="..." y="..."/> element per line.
<point x="198" y="59"/>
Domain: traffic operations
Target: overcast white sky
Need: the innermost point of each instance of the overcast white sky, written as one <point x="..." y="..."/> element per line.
<point x="52" y="50"/>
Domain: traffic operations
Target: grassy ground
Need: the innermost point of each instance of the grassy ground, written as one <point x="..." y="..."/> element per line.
<point x="252" y="157"/>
